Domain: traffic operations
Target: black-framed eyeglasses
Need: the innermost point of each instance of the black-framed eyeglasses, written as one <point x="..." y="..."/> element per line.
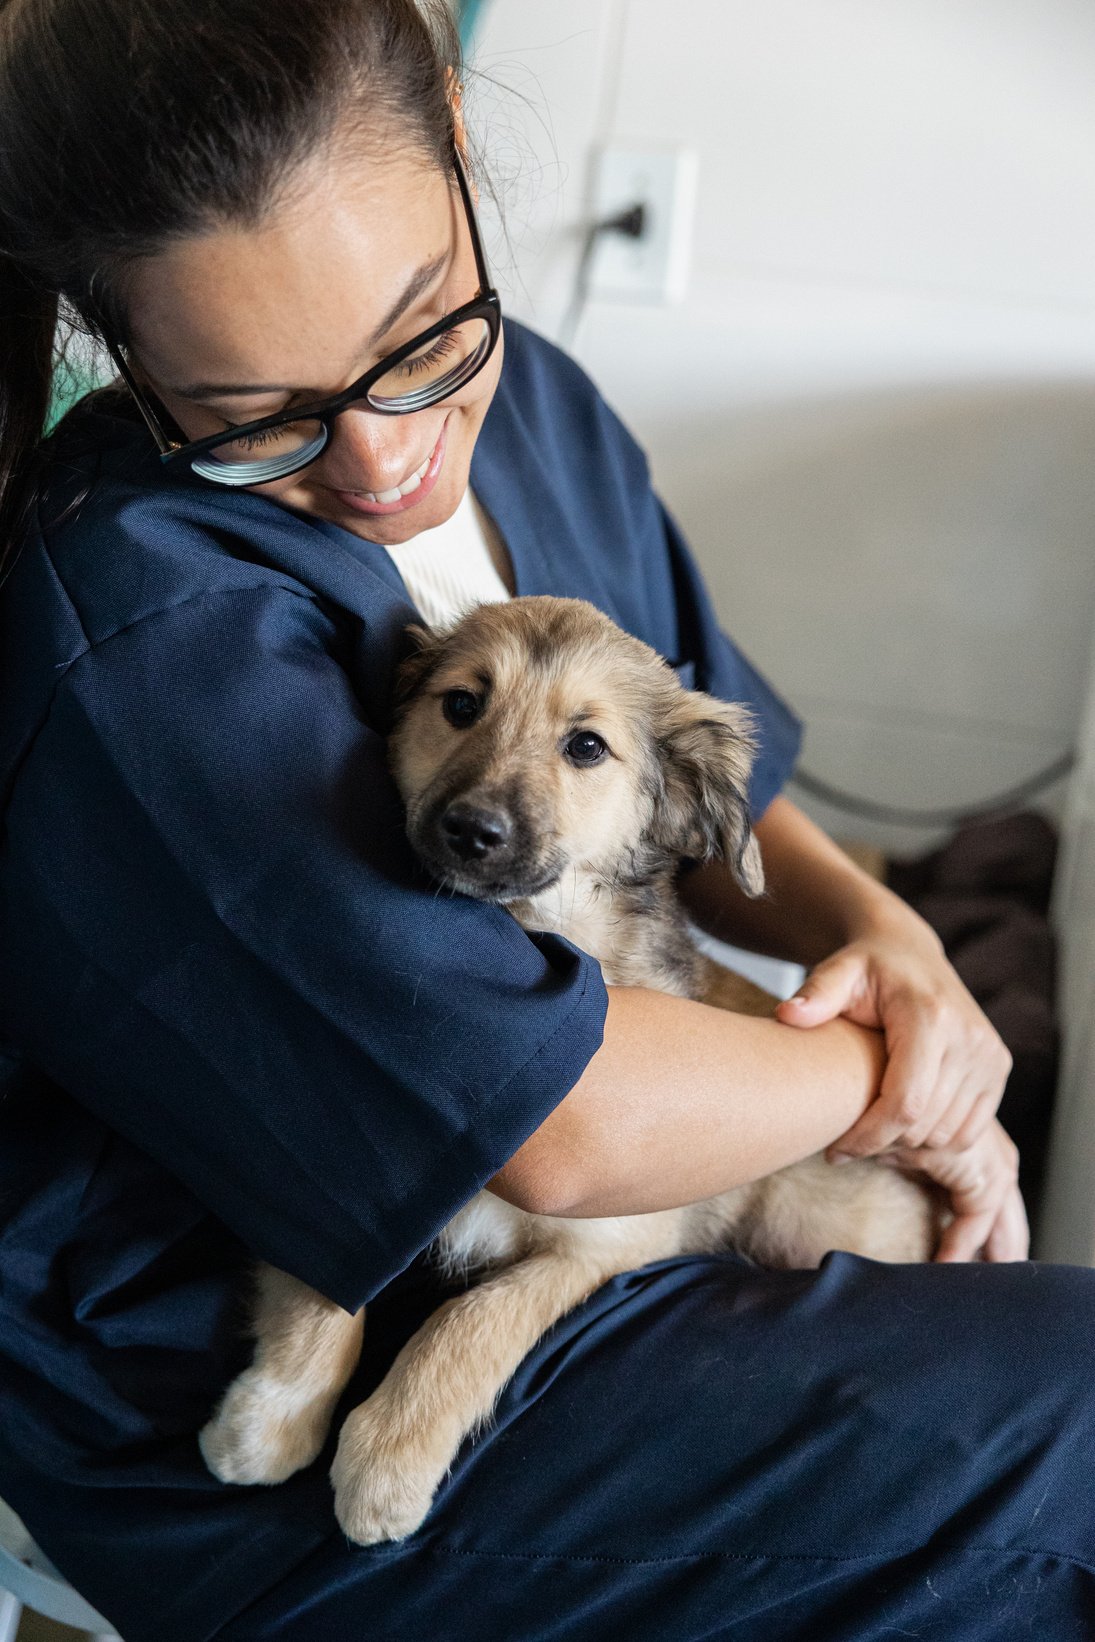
<point x="436" y="363"/>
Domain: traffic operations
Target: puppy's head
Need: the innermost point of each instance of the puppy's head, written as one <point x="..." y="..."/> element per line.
<point x="536" y="736"/>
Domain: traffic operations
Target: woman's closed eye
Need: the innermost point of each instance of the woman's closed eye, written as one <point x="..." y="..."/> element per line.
<point x="438" y="349"/>
<point x="264" y="436"/>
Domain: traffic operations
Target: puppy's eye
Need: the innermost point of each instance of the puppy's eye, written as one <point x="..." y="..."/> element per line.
<point x="585" y="748"/>
<point x="460" y="707"/>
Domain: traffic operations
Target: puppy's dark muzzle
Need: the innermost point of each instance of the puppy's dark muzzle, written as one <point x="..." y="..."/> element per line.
<point x="482" y="843"/>
<point x="472" y="833"/>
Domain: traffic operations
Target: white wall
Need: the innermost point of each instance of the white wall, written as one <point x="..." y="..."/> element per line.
<point x="874" y="413"/>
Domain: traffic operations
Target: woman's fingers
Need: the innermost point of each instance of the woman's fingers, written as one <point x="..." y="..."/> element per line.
<point x="997" y="1238"/>
<point x="945" y="1073"/>
<point x="969" y="1084"/>
<point x="913" y="1096"/>
<point x="980" y="1114"/>
<point x="946" y="1067"/>
<point x="1010" y="1236"/>
<point x="982" y="1185"/>
<point x="966" y="1100"/>
<point x="964" y="1238"/>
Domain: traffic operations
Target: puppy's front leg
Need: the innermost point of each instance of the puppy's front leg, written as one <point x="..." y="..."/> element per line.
<point x="275" y="1417"/>
<point x="395" y="1448"/>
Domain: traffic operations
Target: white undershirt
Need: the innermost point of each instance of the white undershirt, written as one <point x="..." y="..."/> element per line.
<point x="458" y="564"/>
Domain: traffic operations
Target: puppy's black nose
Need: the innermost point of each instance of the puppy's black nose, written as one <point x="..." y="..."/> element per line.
<point x="472" y="833"/>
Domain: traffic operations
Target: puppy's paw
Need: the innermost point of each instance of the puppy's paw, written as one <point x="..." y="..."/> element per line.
<point x="263" y="1430"/>
<point x="384" y="1483"/>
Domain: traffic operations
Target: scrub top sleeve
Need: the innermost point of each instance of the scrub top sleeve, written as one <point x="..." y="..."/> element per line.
<point x="250" y="978"/>
<point x="707" y="659"/>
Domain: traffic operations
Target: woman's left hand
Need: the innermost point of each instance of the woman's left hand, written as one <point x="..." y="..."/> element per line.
<point x="946" y="1064"/>
<point x="982" y="1187"/>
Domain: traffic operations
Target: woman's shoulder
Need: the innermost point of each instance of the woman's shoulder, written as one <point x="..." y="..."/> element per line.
<point x="547" y="395"/>
<point x="121" y="540"/>
<point x="115" y="540"/>
<point x="116" y="549"/>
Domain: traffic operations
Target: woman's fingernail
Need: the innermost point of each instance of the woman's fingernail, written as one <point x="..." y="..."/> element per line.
<point x="839" y="1157"/>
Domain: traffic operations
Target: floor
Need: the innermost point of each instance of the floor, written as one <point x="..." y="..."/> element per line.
<point x="33" y="1628"/>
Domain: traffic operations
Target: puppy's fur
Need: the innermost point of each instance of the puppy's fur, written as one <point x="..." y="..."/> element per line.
<point x="555" y="766"/>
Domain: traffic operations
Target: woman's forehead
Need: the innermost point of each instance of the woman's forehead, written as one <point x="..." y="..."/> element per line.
<point x="305" y="298"/>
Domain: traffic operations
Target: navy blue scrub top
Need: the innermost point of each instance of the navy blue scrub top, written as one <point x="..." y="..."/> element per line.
<point x="236" y="1019"/>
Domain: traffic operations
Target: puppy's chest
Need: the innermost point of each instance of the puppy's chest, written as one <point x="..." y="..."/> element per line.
<point x="640" y="938"/>
<point x="636" y="933"/>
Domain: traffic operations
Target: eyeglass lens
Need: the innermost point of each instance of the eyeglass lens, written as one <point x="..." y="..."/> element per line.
<point x="436" y="370"/>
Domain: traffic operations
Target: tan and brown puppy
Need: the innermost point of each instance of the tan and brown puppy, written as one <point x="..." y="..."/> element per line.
<point x="555" y="766"/>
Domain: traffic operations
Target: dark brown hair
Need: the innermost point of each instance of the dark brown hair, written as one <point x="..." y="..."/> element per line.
<point x="127" y="123"/>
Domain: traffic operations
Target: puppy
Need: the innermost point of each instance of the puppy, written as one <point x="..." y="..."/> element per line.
<point x="555" y="766"/>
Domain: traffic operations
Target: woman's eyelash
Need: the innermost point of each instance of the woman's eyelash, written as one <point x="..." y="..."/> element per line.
<point x="264" y="436"/>
<point x="422" y="361"/>
<point x="251" y="440"/>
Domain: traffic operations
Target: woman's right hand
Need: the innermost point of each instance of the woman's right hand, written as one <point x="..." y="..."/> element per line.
<point x="982" y="1184"/>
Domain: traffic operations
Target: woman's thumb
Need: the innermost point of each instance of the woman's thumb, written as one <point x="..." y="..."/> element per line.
<point x="824" y="994"/>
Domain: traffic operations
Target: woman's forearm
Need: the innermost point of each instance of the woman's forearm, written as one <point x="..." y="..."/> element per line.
<point x="816" y="899"/>
<point x="683" y="1101"/>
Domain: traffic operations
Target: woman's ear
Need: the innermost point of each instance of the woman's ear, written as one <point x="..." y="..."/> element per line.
<point x="705" y="749"/>
<point x="456" y="104"/>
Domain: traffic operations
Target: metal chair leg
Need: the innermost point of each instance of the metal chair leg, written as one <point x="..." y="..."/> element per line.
<point x="10" y="1612"/>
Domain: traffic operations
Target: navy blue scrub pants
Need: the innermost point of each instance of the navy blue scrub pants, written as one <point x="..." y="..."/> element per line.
<point x="705" y="1450"/>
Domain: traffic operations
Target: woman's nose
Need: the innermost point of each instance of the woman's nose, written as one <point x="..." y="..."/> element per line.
<point x="369" y="452"/>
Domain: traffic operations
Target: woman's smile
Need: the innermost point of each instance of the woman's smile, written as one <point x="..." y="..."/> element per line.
<point x="410" y="493"/>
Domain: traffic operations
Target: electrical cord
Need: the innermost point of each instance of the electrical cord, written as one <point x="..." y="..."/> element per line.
<point x="896" y="813"/>
<point x="631" y="223"/>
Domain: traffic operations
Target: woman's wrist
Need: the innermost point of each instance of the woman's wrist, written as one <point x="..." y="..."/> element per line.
<point x="877" y="915"/>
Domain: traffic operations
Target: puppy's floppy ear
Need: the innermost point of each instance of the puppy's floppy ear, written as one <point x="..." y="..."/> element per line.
<point x="705" y="750"/>
<point x="421" y="652"/>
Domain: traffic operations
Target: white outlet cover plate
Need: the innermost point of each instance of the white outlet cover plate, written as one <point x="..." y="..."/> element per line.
<point x="655" y="267"/>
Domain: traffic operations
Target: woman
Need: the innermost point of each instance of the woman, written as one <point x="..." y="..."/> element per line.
<point x="240" y="1023"/>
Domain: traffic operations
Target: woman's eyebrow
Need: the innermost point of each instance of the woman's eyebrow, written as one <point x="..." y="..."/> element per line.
<point x="416" y="286"/>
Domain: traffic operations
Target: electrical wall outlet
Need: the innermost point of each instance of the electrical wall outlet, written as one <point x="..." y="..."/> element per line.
<point x="653" y="267"/>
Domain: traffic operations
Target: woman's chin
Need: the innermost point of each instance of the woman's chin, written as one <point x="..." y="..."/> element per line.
<point x="389" y="529"/>
<point x="392" y="529"/>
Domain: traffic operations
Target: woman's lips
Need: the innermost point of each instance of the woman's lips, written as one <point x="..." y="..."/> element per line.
<point x="363" y="502"/>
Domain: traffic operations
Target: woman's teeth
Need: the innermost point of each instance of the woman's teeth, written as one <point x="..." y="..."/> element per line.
<point x="404" y="489"/>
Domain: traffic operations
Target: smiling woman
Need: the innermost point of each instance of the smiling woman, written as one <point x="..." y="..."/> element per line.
<point x="240" y="1021"/>
<point x="437" y="363"/>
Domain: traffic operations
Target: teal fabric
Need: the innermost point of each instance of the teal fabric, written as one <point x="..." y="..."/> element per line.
<point x="70" y="384"/>
<point x="467" y="11"/>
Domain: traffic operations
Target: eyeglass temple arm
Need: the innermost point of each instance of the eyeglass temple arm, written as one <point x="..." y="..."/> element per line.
<point x="473" y="218"/>
<point x="152" y="422"/>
